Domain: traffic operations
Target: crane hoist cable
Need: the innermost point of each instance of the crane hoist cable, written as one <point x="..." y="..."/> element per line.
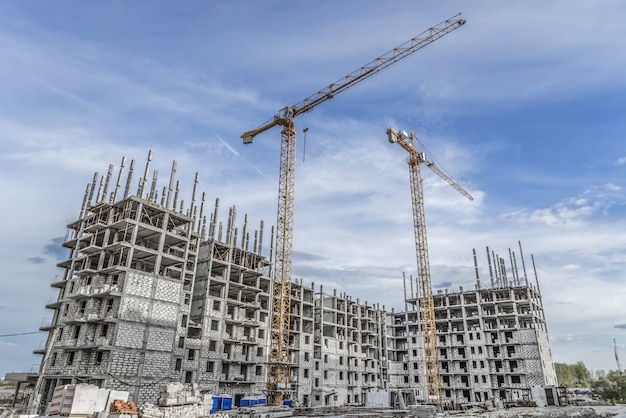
<point x="278" y="385"/>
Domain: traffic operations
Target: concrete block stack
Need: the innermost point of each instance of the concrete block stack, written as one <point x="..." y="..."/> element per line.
<point x="179" y="394"/>
<point x="179" y="401"/>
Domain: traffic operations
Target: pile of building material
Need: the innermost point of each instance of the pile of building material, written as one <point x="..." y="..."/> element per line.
<point x="121" y="407"/>
<point x="177" y="400"/>
<point x="422" y="411"/>
<point x="264" y="411"/>
<point x="179" y="394"/>
<point x="84" y="400"/>
<point x="417" y="411"/>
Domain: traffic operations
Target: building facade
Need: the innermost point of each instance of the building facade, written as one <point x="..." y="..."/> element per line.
<point x="493" y="344"/>
<point x="123" y="300"/>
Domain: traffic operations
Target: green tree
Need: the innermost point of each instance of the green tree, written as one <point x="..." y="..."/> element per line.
<point x="610" y="388"/>
<point x="573" y="375"/>
<point x="564" y="374"/>
<point x="582" y="374"/>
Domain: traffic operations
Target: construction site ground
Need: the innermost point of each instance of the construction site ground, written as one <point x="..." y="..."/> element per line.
<point x="586" y="411"/>
<point x="604" y="411"/>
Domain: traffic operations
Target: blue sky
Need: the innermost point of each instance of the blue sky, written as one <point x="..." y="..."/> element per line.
<point x="524" y="105"/>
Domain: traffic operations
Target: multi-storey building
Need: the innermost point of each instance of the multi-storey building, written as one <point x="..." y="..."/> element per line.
<point x="229" y="312"/>
<point x="405" y="348"/>
<point x="301" y="342"/>
<point x="124" y="297"/>
<point x="152" y="293"/>
<point x="492" y="341"/>
<point x="148" y="295"/>
<point x="350" y="355"/>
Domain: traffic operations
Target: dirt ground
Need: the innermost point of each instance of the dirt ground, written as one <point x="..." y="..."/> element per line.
<point x="618" y="411"/>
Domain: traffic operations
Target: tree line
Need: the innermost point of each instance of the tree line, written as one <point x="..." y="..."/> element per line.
<point x="609" y="387"/>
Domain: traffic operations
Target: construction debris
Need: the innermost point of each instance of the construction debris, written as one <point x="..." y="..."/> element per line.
<point x="87" y="400"/>
<point x="264" y="412"/>
<point x="121" y="407"/>
<point x="177" y="400"/>
<point x="179" y="394"/>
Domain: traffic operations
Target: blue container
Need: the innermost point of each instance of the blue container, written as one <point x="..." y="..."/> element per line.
<point x="261" y="400"/>
<point x="216" y="404"/>
<point x="288" y="402"/>
<point x="246" y="401"/>
<point x="227" y="402"/>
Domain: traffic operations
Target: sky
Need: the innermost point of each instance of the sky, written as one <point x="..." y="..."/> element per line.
<point x="523" y="106"/>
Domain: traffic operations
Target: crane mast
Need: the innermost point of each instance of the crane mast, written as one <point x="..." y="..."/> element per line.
<point x="619" y="368"/>
<point x="279" y="363"/>
<point x="426" y="302"/>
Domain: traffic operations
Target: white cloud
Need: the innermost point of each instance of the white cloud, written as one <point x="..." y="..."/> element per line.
<point x="574" y="210"/>
<point x="566" y="338"/>
<point x="80" y="94"/>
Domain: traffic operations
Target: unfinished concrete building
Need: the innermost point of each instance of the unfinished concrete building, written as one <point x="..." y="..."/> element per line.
<point x="125" y="293"/>
<point x="152" y="293"/>
<point x="492" y="341"/>
<point x="227" y="350"/>
<point x="130" y="313"/>
<point x="350" y="352"/>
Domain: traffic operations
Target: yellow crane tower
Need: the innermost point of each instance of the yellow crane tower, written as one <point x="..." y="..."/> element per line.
<point x="279" y="363"/>
<point x="426" y="304"/>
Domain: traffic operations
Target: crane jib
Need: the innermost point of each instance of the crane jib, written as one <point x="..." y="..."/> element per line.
<point x="378" y="64"/>
<point x="373" y="67"/>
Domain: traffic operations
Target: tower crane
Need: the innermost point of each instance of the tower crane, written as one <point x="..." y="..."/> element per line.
<point x="279" y="365"/>
<point x="426" y="303"/>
